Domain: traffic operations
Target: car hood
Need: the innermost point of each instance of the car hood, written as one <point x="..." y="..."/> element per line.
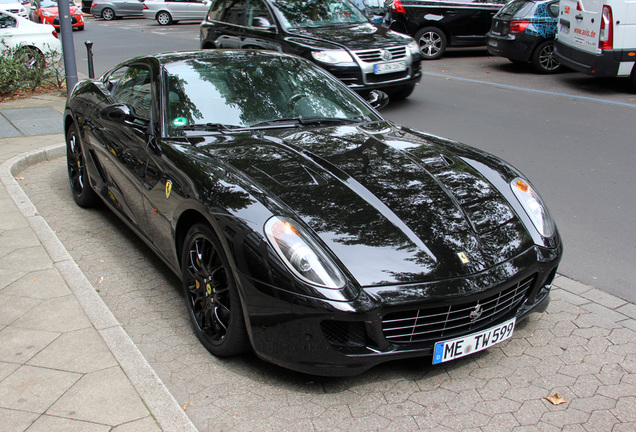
<point x="74" y="10"/>
<point x="353" y="36"/>
<point x="394" y="206"/>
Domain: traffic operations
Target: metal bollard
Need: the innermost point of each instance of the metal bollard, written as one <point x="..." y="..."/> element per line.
<point x="89" y="50"/>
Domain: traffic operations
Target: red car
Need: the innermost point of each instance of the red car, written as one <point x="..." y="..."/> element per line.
<point x="45" y="11"/>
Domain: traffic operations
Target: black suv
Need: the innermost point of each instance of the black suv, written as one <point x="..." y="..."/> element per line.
<point x="438" y="24"/>
<point x="332" y="33"/>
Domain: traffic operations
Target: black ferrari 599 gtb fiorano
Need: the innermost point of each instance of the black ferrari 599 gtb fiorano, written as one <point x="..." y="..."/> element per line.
<point x="303" y="224"/>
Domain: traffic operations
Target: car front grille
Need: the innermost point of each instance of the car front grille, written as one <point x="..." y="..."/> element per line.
<point x="375" y="55"/>
<point x="424" y="325"/>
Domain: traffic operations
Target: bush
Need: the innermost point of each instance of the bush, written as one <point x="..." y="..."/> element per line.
<point x="25" y="69"/>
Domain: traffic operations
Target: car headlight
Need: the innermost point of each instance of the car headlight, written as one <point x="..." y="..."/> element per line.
<point x="301" y="254"/>
<point x="332" y="56"/>
<point x="414" y="48"/>
<point x="534" y="207"/>
<point x="47" y="13"/>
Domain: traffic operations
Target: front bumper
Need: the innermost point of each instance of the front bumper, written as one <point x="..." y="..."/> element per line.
<point x="331" y="338"/>
<point x="361" y="76"/>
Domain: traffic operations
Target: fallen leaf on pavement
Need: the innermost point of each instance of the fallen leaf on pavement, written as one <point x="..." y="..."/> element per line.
<point x="556" y="399"/>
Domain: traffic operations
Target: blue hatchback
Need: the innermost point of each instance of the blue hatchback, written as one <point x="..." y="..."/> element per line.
<point x="524" y="31"/>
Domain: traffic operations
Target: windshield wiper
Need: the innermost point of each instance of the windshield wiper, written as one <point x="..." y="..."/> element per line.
<point x="209" y="127"/>
<point x="294" y="121"/>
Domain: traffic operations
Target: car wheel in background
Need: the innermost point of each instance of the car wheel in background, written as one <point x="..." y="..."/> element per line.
<point x="543" y="59"/>
<point x="31" y="56"/>
<point x="164" y="18"/>
<point x="432" y="42"/>
<point x="211" y="295"/>
<point x="108" y="14"/>
<point x="83" y="193"/>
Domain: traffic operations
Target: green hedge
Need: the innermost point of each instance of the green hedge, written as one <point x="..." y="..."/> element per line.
<point x="26" y="69"/>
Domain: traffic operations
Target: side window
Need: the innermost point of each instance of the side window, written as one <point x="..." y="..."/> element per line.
<point x="258" y="15"/>
<point x="229" y="11"/>
<point x="135" y="89"/>
<point x="7" y="21"/>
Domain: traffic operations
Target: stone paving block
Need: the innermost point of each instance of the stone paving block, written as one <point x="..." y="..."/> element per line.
<point x="35" y="121"/>
<point x="504" y="422"/>
<point x="7" y="369"/>
<point x="15" y="421"/>
<point x="48" y="423"/>
<point x="108" y="398"/>
<point x="20" y="345"/>
<point x="530" y="412"/>
<point x="38" y="259"/>
<point x="12" y="307"/>
<point x="625" y="427"/>
<point x="61" y="314"/>
<point x="603" y="298"/>
<point x="34" y="389"/>
<point x="600" y="421"/>
<point x="563" y="415"/>
<point x="628" y="309"/>
<point x="146" y="424"/>
<point x="604" y="312"/>
<point x="16" y="235"/>
<point x="43" y="284"/>
<point x="568" y="297"/>
<point x="571" y="285"/>
<point x="80" y="351"/>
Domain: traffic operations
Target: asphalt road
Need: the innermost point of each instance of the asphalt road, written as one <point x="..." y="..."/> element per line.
<point x="568" y="133"/>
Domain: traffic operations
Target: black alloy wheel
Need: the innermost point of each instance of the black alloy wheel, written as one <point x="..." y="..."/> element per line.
<point x="543" y="58"/>
<point x="83" y="193"/>
<point x="432" y="42"/>
<point x="211" y="296"/>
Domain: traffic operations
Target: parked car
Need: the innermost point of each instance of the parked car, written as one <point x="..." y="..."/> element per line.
<point x="32" y="41"/>
<point x="14" y="7"/>
<point x="303" y="224"/>
<point x="523" y="31"/>
<point x="115" y="9"/>
<point x="168" y="12"/>
<point x="598" y="37"/>
<point x="332" y="33"/>
<point x="438" y="24"/>
<point x="46" y="12"/>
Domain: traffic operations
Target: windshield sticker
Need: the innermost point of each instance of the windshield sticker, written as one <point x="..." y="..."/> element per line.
<point x="180" y="121"/>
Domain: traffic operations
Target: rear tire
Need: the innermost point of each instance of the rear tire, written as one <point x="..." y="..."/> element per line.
<point x="108" y="14"/>
<point x="543" y="59"/>
<point x="164" y="18"/>
<point x="81" y="188"/>
<point x="432" y="42"/>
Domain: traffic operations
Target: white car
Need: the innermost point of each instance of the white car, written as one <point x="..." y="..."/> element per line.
<point x="14" y="6"/>
<point x="170" y="11"/>
<point x="35" y="40"/>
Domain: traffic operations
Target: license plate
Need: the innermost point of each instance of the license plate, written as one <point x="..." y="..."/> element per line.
<point x="460" y="347"/>
<point x="383" y="68"/>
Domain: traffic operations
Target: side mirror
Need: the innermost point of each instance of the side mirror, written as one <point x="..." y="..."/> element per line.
<point x="262" y="23"/>
<point x="377" y="99"/>
<point x="124" y="114"/>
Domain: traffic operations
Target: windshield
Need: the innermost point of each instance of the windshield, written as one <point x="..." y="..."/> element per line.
<point x="302" y="13"/>
<point x="255" y="90"/>
<point x="49" y="3"/>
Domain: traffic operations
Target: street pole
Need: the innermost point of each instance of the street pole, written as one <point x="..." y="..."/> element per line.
<point x="68" y="49"/>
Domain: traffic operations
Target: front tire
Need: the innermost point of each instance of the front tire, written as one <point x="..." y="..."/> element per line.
<point x="164" y="18"/>
<point x="83" y="193"/>
<point x="211" y="295"/>
<point x="432" y="42"/>
<point x="543" y="59"/>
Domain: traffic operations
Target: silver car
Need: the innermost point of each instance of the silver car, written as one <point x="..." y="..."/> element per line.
<point x="171" y="11"/>
<point x="114" y="9"/>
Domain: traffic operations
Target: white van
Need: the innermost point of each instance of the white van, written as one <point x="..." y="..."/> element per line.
<point x="598" y="37"/>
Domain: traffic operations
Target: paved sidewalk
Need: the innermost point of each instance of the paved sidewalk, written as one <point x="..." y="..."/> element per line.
<point x="66" y="364"/>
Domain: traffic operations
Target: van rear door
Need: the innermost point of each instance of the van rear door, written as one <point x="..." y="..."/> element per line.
<point x="580" y="24"/>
